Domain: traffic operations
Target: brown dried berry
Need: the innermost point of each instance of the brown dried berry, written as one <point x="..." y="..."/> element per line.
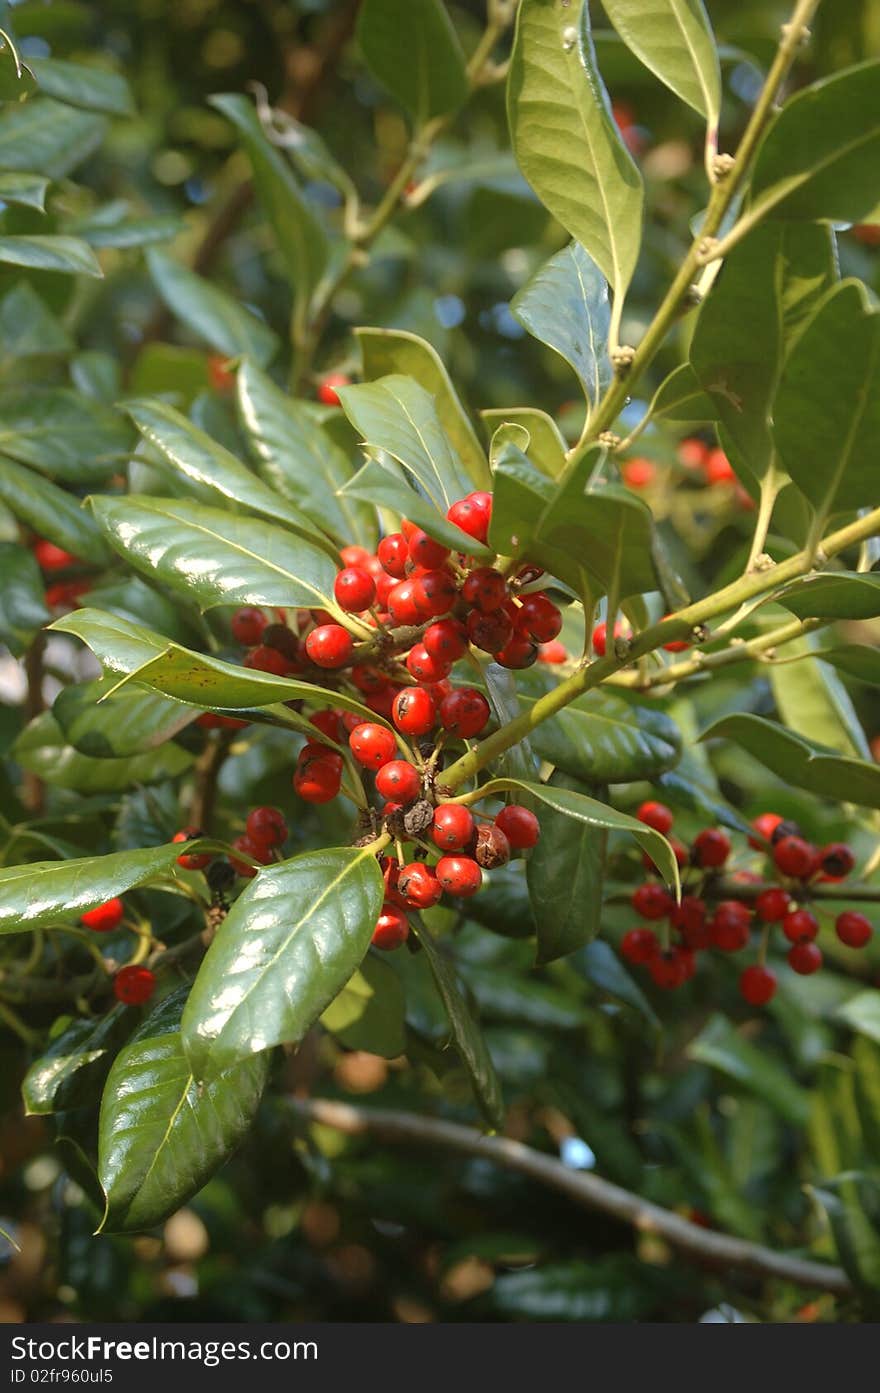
<point x="492" y="847"/>
<point x="418" y="818"/>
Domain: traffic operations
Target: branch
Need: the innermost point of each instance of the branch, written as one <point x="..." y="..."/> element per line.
<point x="587" y="1191"/>
<point x="207" y="772"/>
<point x="33" y="788"/>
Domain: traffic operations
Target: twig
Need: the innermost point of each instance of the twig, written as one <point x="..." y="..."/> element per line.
<point x="207" y="772"/>
<point x="588" y="1191"/>
<point x="33" y="788"/>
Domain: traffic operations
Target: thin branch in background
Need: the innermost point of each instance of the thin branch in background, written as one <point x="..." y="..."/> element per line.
<point x="33" y="788"/>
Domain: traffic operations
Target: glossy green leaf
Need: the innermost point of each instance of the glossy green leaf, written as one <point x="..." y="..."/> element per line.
<point x="299" y="236"/>
<point x="162" y="1133"/>
<point x="385" y="352"/>
<point x="382" y="483"/>
<point x="106" y="724"/>
<point x="67" y="254"/>
<point x="680" y="397"/>
<point x="565" y="305"/>
<point x="610" y="530"/>
<point x="600" y="965"/>
<point x="412" y="49"/>
<point x="833" y="595"/>
<point x="370" y="1011"/>
<point x="214" y="557"/>
<point x="674" y="39"/>
<point x="112" y="226"/>
<point x="51" y="512"/>
<point x="507" y="996"/>
<point x="28" y="328"/>
<point x="800" y="762"/>
<point x="855" y="660"/>
<point x="131" y="599"/>
<point x="546" y="446"/>
<point x="62" y="433"/>
<point x="94" y="89"/>
<point x="398" y="415"/>
<point x="213" y="470"/>
<point x="565" y="873"/>
<point x="48" y="137"/>
<point x="300" y="460"/>
<point x="211" y="313"/>
<point x="22" y="608"/>
<point x="43" y="749"/>
<point x="595" y="815"/>
<point x="820" y="159"/>
<point x="721" y="1045"/>
<point x="466" y="1034"/>
<point x="583" y="1292"/>
<point x="28" y="190"/>
<point x="74" y="1065"/>
<point x="290" y="943"/>
<point x="43" y="893"/>
<point x="813" y="702"/>
<point x="565" y="138"/>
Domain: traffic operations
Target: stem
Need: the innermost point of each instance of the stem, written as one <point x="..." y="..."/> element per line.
<point x="739" y="652"/>
<point x="586" y="1191"/>
<point x="33" y="788"/>
<point x="749" y="892"/>
<point x="207" y="772"/>
<point x="769" y="493"/>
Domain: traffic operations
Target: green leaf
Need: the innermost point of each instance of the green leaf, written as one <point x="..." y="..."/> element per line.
<point x="63" y="434"/>
<point x="42" y="893"/>
<point x="28" y="328"/>
<point x="285" y="951"/>
<point x="213" y="469"/>
<point x="584" y="1292"/>
<point x="162" y="1134"/>
<point x="385" y="352"/>
<point x="565" y="139"/>
<point x="110" y="226"/>
<point x="214" y="557"/>
<point x="813" y="702"/>
<point x="674" y="39"/>
<point x="130" y="650"/>
<point x="28" y="190"/>
<point x="75" y="1063"/>
<point x="382" y="483"/>
<point x="681" y="398"/>
<point x="600" y="965"/>
<point x="48" y="137"/>
<point x="299" y="459"/>
<point x="800" y="762"/>
<point x="720" y="1045"/>
<point x="43" y="750"/>
<point x="370" y="1011"/>
<point x="862" y="1014"/>
<point x="298" y="234"/>
<point x="412" y="49"/>
<point x="466" y="1034"/>
<point x="565" y="874"/>
<point x="855" y="659"/>
<point x="94" y="89"/>
<point x="546" y="447"/>
<point x="833" y="595"/>
<point x="398" y="415"/>
<point x="565" y="305"/>
<point x="22" y="608"/>
<point x="211" y="313"/>
<point x="820" y="159"/>
<point x="506" y="996"/>
<point x="598" y="816"/>
<point x="68" y="254"/>
<point x="51" y="512"/>
<point x="107" y="724"/>
<point x="856" y="1239"/>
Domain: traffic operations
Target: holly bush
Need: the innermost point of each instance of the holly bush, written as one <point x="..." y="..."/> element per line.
<point x="438" y="557"/>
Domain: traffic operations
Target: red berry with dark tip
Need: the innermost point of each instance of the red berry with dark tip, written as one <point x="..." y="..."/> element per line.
<point x="652" y="901"/>
<point x="656" y="815"/>
<point x="424" y="668"/>
<point x="730" y="926"/>
<point x="539" y="617"/>
<point x="399" y="781"/>
<point x="403" y="604"/>
<point x="392" y="928"/>
<point x="711" y="848"/>
<point x="328" y="723"/>
<point x="446" y="640"/>
<point x="485" y="588"/>
<point x="772" y="905"/>
<point x="329" y="646"/>
<point x="689" y="917"/>
<point x="355" y="589"/>
<point x="836" y="860"/>
<point x="195" y="861"/>
<point x="424" y="551"/>
<point x="639" y="946"/>
<point x="419" y="885"/>
<point x="464" y="712"/>
<point x="318" y="774"/>
<point x="453" y="826"/>
<point x="798" y="924"/>
<point x="393" y="552"/>
<point x="372" y="745"/>
<point x="794" y="857"/>
<point x="853" y="929"/>
<point x="434" y="592"/>
<point x="472" y="515"/>
<point x="134" y="985"/>
<point x="757" y="985"/>
<point x="519" y="825"/>
<point x="104" y="918"/>
<point x="266" y="826"/>
<point x="805" y="958"/>
<point x="413" y="711"/>
<point x="489" y="631"/>
<point x="354" y="555"/>
<point x="765" y="824"/>
<point x="520" y="652"/>
<point x="263" y="659"/>
<point x="247" y="625"/>
<point x="669" y="969"/>
<point x="459" y="875"/>
<point x="257" y="850"/>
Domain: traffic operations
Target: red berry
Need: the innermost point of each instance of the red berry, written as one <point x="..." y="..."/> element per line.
<point x="413" y="711"/>
<point x="757" y="985"/>
<point x="519" y="825"/>
<point x="403" y="604"/>
<point x="798" y="924"/>
<point x="670" y="969"/>
<point x="539" y="617"/>
<point x="257" y="850"/>
<point x="765" y="824"/>
<point x="209" y="720"/>
<point x="853" y="929"/>
<point x="423" y="667"/>
<point x="197" y="861"/>
<point x="521" y="652"/>
<point x="266" y="826"/>
<point x="398" y="781"/>
<point x="489" y="631"/>
<point x="772" y="905"/>
<point x="464" y="712"/>
<point x="836" y="860"/>
<point x="263" y="659"/>
<point x="553" y="652"/>
<point x="355" y="589"/>
<point x="356" y="556"/>
<point x="652" y="901"/>
<point x="600" y="636"/>
<point x="419" y="885"/>
<point x="638" y="472"/>
<point x="317" y="777"/>
<point x="453" y="826"/>
<point x="424" y="551"/>
<point x="434" y="592"/>
<point x="805" y="958"/>
<point x="718" y="469"/>
<point x="639" y="946"/>
<point x="730" y="926"/>
<point x="393" y="552"/>
<point x="485" y="588"/>
<point x="134" y="985"/>
<point x="284" y="641"/>
<point x="329" y="646"/>
<point x="382" y="702"/>
<point x="104" y="917"/>
<point x="248" y="624"/>
<point x="51" y="558"/>
<point x="656" y="815"/>
<point x="472" y="515"/>
<point x="692" y="452"/>
<point x="675" y="645"/>
<point x="459" y="875"/>
<point x="794" y="857"/>
<point x="711" y="848"/>
<point x="445" y="640"/>
<point x="327" y="392"/>
<point x="392" y="928"/>
<point x="689" y="918"/>
<point x="372" y="745"/>
<point x="327" y="722"/>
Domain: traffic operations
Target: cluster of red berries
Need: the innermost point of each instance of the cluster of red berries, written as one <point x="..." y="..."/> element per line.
<point x="727" y="926"/>
<point x="53" y="560"/>
<point x="134" y="984"/>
